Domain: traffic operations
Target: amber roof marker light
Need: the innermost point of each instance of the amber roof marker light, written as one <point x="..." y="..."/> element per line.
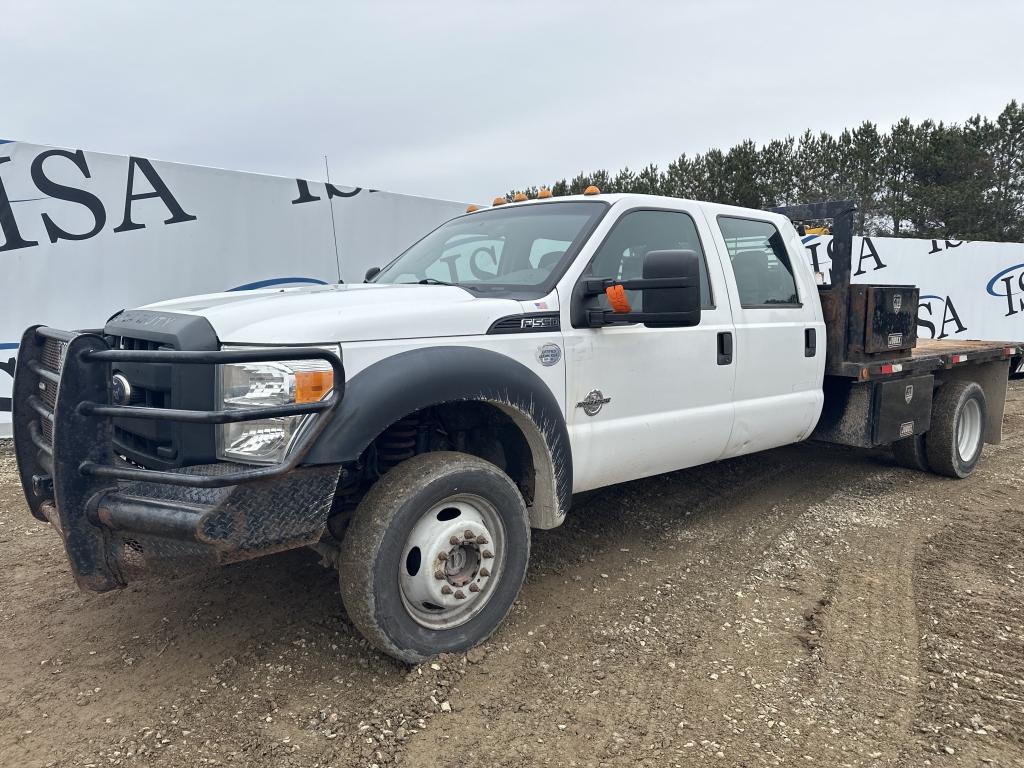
<point x="591" y="190"/>
<point x="544" y="193"/>
<point x="499" y="201"/>
<point x="472" y="207"/>
<point x="519" y="197"/>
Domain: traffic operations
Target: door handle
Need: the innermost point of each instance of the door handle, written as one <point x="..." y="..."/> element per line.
<point x="725" y="348"/>
<point x="810" y="342"/>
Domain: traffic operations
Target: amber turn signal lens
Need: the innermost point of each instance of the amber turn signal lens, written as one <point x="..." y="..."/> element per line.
<point x="311" y="386"/>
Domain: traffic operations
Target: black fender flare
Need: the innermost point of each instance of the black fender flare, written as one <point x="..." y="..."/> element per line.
<point x="384" y="392"/>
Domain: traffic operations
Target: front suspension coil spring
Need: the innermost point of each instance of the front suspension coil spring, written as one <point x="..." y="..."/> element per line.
<point x="397" y="444"/>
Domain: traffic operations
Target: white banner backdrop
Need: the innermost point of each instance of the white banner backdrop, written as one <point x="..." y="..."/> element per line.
<point x="83" y="235"/>
<point x="969" y="290"/>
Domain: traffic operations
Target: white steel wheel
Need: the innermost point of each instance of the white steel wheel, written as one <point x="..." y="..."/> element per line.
<point x="957" y="434"/>
<point x="968" y="430"/>
<point x="453" y="561"/>
<point x="434" y="556"/>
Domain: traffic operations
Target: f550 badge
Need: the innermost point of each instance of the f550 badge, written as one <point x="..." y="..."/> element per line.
<point x="541" y="323"/>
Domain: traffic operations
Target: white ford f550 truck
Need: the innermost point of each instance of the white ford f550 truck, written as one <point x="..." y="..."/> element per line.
<point x="416" y="427"/>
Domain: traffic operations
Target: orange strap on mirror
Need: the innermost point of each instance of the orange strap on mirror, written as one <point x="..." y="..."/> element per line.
<point x="617" y="298"/>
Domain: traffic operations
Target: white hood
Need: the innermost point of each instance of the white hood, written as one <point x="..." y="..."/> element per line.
<point x="343" y="313"/>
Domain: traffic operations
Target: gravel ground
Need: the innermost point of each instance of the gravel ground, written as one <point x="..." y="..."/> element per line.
<point x="805" y="605"/>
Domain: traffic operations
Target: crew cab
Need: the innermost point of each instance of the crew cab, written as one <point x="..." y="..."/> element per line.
<point x="416" y="427"/>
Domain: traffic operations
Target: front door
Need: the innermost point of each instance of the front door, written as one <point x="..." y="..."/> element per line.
<point x="642" y="401"/>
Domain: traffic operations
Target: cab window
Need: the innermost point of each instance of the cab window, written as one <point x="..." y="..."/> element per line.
<point x="621" y="255"/>
<point x="760" y="263"/>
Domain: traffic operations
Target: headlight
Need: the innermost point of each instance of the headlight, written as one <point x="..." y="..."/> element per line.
<point x="249" y="385"/>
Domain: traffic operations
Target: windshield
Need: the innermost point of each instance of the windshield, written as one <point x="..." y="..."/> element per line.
<point x="512" y="250"/>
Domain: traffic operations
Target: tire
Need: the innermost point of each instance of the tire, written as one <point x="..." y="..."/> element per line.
<point x="957" y="435"/>
<point x="467" y="522"/>
<point x="910" y="452"/>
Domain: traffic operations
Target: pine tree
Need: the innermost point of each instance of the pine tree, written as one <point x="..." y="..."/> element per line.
<point x="896" y="174"/>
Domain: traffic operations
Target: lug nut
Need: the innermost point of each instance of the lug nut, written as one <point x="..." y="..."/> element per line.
<point x="446" y="590"/>
<point x="439" y="574"/>
<point x="442" y="556"/>
<point x="482" y="540"/>
<point x="468" y="534"/>
<point x="460" y="595"/>
<point x="487" y="553"/>
<point x="484" y="572"/>
<point x="474" y="587"/>
<point x="454" y="540"/>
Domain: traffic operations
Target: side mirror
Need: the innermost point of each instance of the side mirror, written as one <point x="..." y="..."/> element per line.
<point x="679" y="306"/>
<point x="671" y="293"/>
<point x="371" y="273"/>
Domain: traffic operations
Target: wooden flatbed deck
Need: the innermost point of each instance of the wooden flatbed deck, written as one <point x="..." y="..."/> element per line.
<point x="930" y="355"/>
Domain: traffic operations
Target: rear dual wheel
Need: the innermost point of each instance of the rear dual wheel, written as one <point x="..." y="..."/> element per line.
<point x="435" y="555"/>
<point x="957" y="435"/>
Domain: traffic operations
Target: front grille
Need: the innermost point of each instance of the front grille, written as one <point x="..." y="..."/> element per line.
<point x="134" y="437"/>
<point x="164" y="445"/>
<point x="151" y="397"/>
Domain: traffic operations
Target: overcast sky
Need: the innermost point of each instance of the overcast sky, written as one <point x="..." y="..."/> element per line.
<point x="466" y="100"/>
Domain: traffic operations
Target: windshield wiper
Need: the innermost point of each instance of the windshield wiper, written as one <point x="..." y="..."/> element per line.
<point x="432" y="281"/>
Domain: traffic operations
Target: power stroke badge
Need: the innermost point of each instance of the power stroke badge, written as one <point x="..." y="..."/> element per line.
<point x="593" y="402"/>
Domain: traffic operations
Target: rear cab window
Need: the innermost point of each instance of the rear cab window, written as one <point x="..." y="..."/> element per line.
<point x="760" y="263"/>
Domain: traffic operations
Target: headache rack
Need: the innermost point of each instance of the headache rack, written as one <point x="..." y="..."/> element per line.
<point x="864" y="324"/>
<point x="63" y="409"/>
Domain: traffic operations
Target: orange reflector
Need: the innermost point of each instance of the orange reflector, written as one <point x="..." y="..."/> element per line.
<point x="863" y="374"/>
<point x="311" y="386"/>
<point x="591" y="190"/>
<point x="617" y="298"/>
<point x="544" y="193"/>
<point x="519" y="197"/>
<point x="499" y="201"/>
<point x="470" y="208"/>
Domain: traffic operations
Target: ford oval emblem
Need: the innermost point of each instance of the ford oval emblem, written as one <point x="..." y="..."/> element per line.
<point x="120" y="389"/>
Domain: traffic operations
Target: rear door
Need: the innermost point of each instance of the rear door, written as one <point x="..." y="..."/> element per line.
<point x="780" y="334"/>
<point x="641" y="401"/>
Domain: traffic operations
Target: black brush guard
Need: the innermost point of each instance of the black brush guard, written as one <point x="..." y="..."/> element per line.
<point x="119" y="521"/>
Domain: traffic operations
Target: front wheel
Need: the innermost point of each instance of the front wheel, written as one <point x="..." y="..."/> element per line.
<point x="434" y="555"/>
